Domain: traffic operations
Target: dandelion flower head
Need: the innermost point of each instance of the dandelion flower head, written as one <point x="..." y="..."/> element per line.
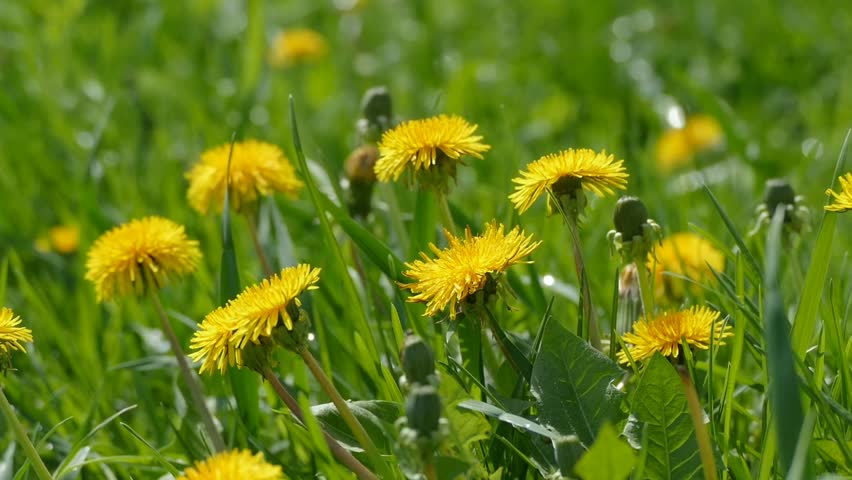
<point x="665" y="333"/>
<point x="139" y="256"/>
<point x="463" y="268"/>
<point x="683" y="254"/>
<point x="429" y="149"/>
<point x="843" y="200"/>
<point x="251" y="317"/>
<point x="65" y="239"/>
<point x="257" y="168"/>
<point x="582" y="168"/>
<point x="12" y="336"/>
<point x="677" y="146"/>
<point x="298" y="45"/>
<point x="233" y="465"/>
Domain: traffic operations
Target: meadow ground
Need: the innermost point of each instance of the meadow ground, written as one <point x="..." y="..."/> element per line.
<point x="105" y="106"/>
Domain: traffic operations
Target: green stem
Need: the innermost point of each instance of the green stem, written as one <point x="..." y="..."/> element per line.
<point x="346" y="413"/>
<point x="446" y="215"/>
<point x="258" y="247"/>
<point x="192" y="382"/>
<point x="580" y="264"/>
<point x="429" y="471"/>
<point x="705" y="448"/>
<point x="35" y="460"/>
<point x="646" y="289"/>
<point x="341" y="453"/>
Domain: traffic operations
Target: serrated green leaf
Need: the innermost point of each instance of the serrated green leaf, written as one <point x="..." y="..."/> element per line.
<point x="659" y="404"/>
<point x="609" y="457"/>
<point x="574" y="385"/>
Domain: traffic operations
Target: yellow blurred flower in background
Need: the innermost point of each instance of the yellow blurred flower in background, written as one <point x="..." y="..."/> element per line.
<point x="666" y="332"/>
<point x="257" y="168"/>
<point x="463" y="268"/>
<point x="683" y="254"/>
<point x="676" y="147"/>
<point x="65" y="239"/>
<point x="842" y="202"/>
<point x="297" y="45"/>
<point x="140" y="256"/>
<point x="233" y="465"/>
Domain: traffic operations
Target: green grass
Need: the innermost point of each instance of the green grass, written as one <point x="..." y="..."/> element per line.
<point x="105" y="105"/>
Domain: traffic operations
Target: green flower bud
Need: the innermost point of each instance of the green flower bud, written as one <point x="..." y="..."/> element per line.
<point x="778" y="193"/>
<point x="418" y="361"/>
<point x="376" y="111"/>
<point x="423" y="410"/>
<point x="630" y="217"/>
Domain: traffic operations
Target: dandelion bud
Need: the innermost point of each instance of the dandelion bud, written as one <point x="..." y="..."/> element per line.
<point x="778" y="193"/>
<point x="423" y="410"/>
<point x="418" y="361"/>
<point x="376" y="111"/>
<point x="630" y="217"/>
<point x="362" y="175"/>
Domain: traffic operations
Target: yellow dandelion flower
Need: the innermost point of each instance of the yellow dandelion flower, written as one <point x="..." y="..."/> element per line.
<point x="463" y="268"/>
<point x="687" y="255"/>
<point x="673" y="150"/>
<point x="64" y="239"/>
<point x="597" y="172"/>
<point x="430" y="148"/>
<point x="666" y="333"/>
<point x="257" y="168"/>
<point x="843" y="200"/>
<point x="296" y="45"/>
<point x="140" y="255"/>
<point x="12" y="337"/>
<point x="233" y="465"/>
<point x="212" y="345"/>
<point x="703" y="132"/>
<point x="259" y="308"/>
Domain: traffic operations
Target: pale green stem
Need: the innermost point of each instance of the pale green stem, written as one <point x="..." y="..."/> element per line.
<point x="446" y="215"/>
<point x="705" y="448"/>
<point x="646" y="289"/>
<point x="21" y="434"/>
<point x="192" y="382"/>
<point x="341" y="453"/>
<point x="583" y="279"/>
<point x="258" y="247"/>
<point x="346" y="413"/>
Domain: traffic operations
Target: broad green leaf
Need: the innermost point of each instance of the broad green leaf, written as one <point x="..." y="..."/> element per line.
<point x="784" y="399"/>
<point x="659" y="404"/>
<point x="377" y="417"/>
<point x="574" y="385"/>
<point x="451" y="468"/>
<point x="609" y="457"/>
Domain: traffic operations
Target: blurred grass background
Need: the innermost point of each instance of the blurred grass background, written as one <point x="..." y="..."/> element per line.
<point x="104" y="105"/>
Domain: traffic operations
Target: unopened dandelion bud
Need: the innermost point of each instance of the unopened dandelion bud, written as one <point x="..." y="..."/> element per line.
<point x="418" y="361"/>
<point x="376" y="112"/>
<point x="362" y="176"/>
<point x="423" y="410"/>
<point x="630" y="217"/>
<point x="778" y="193"/>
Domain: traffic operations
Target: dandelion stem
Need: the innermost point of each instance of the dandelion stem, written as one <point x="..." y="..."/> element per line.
<point x="192" y="382"/>
<point x="446" y="214"/>
<point x="579" y="263"/>
<point x="35" y="460"/>
<point x="258" y="247"/>
<point x="341" y="453"/>
<point x="646" y="289"/>
<point x="705" y="448"/>
<point x="345" y="413"/>
<point x="429" y="470"/>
